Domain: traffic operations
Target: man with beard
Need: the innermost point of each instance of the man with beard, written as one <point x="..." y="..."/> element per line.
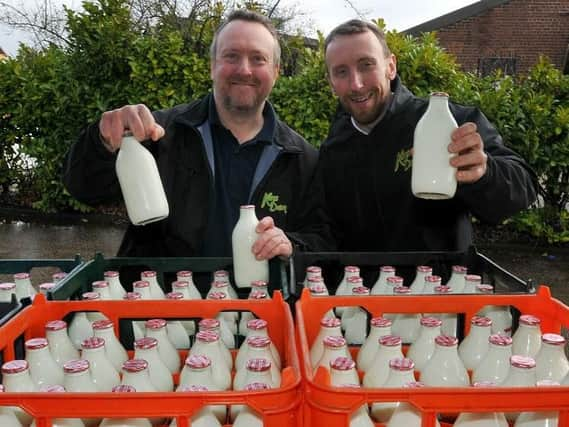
<point x="214" y="155"/>
<point x="363" y="199"/>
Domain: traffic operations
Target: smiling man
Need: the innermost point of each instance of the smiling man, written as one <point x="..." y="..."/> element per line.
<point x="215" y="154"/>
<point x="369" y="206"/>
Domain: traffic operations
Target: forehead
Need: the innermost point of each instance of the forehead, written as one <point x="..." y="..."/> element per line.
<point x="245" y="36"/>
<point x="351" y="48"/>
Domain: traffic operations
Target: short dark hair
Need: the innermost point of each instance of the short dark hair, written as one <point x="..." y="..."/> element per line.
<point x="357" y="26"/>
<point x="249" y="16"/>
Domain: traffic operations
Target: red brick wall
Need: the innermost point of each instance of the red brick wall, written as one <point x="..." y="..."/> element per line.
<point x="523" y="29"/>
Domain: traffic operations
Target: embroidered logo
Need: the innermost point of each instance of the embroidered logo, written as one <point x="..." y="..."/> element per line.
<point x="270" y="201"/>
<point x="403" y="160"/>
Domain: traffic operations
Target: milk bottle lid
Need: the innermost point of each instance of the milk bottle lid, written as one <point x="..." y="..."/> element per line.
<point x="100" y="284"/>
<point x="256" y="324"/>
<point x="394" y="280"/>
<point x="175" y="295"/>
<point x="433" y="279"/>
<point x="424" y="269"/>
<point x="259" y="284"/>
<point x="313" y="269"/>
<point x="7" y="286"/>
<point x="198" y="361"/>
<point x="351" y="269"/>
<point x="75" y="366"/>
<point x="135" y="365"/>
<point x="258" y="364"/>
<point x="484" y="288"/>
<point x="258" y="341"/>
<point x="520" y="361"/>
<point x="14" y="366"/>
<point x="92" y="343"/>
<point x="148" y="274"/>
<point x="461" y="269"/>
<point x="207" y="336"/>
<point x="132" y="296"/>
<point x="91" y="296"/>
<point x="55" y="325"/>
<point x="36" y="343"/>
<point x="354" y="280"/>
<point x="473" y="278"/>
<point x="501" y="340"/>
<point x="180" y="284"/>
<point x="360" y="290"/>
<point x="146" y="343"/>
<point x="390" y="340"/>
<point x="481" y="321"/>
<point x="317" y="289"/>
<point x="443" y="289"/>
<point x="215" y="295"/>
<point x="330" y="322"/>
<point x="21" y="276"/>
<point x="401" y="290"/>
<point x="378" y="322"/>
<point x="111" y="274"/>
<point x="256" y="386"/>
<point x="219" y="284"/>
<point x="334" y="341"/>
<point x="430" y="322"/>
<point x="401" y="364"/>
<point x="342" y="364"/>
<point x="529" y="320"/>
<point x="155" y="324"/>
<point x="258" y="295"/>
<point x="184" y="273"/>
<point x="208" y="324"/>
<point x="387" y="269"/>
<point x="123" y="388"/>
<point x="553" y="339"/>
<point x="141" y="284"/>
<point x="446" y="340"/>
<point x="102" y="324"/>
<point x="47" y="286"/>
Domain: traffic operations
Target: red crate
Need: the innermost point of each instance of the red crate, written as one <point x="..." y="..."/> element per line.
<point x="279" y="407"/>
<point x="330" y="406"/>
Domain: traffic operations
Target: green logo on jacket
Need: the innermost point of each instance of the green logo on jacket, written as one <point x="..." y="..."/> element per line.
<point x="403" y="160"/>
<point x="270" y="201"/>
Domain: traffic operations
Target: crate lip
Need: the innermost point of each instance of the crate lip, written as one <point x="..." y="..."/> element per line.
<point x="302" y="258"/>
<point x="428" y="399"/>
<point x="172" y="404"/>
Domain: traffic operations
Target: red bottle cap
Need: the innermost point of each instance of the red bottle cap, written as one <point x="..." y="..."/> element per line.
<point x="91" y="296"/>
<point x="401" y="364"/>
<point x="430" y="322"/>
<point x="360" y="291"/>
<point x="207" y="336"/>
<point x="342" y="364"/>
<point x="141" y="284"/>
<point x="258" y="341"/>
<point x="390" y="340"/>
<point x="446" y="340"/>
<point x="184" y="273"/>
<point x="111" y="274"/>
<point x="501" y="340"/>
<point x="379" y="322"/>
<point x="524" y="362"/>
<point x="198" y="361"/>
<point x="351" y="269"/>
<point x="180" y="284"/>
<point x="155" y="324"/>
<point x="92" y="343"/>
<point x="216" y="296"/>
<point x="553" y="339"/>
<point x="395" y="280"/>
<point x="256" y="324"/>
<point x="334" y="341"/>
<point x="135" y="365"/>
<point x="36" y="343"/>
<point x="55" y="325"/>
<point x="146" y="343"/>
<point x="208" y="324"/>
<point x="123" y="388"/>
<point x="102" y="324"/>
<point x="75" y="366"/>
<point x="258" y="365"/>
<point x="330" y="322"/>
<point x="481" y="321"/>
<point x="132" y="296"/>
<point x="424" y="269"/>
<point x="175" y="295"/>
<point x="387" y="269"/>
<point x="21" y="276"/>
<point x="100" y="284"/>
<point x="461" y="269"/>
<point x="257" y="386"/>
<point x="259" y="284"/>
<point x="258" y="295"/>
<point x="354" y="280"/>
<point x="529" y="320"/>
<point x="14" y="366"/>
<point x="147" y="274"/>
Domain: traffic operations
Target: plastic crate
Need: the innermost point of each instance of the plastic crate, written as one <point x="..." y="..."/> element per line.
<point x="332" y="264"/>
<point x="40" y="270"/>
<point x="280" y="407"/>
<point x="130" y="268"/>
<point x="330" y="406"/>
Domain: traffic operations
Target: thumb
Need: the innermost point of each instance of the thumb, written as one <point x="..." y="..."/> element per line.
<point x="157" y="133"/>
<point x="265" y="224"/>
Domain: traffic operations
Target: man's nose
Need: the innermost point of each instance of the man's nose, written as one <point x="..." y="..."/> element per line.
<point x="356" y="81"/>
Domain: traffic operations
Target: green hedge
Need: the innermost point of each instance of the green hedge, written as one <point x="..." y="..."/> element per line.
<point x="47" y="96"/>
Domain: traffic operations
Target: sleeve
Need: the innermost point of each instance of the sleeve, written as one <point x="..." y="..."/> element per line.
<point x="89" y="170"/>
<point x="509" y="184"/>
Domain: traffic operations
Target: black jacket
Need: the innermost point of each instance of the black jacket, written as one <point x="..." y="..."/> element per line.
<point x="363" y="186"/>
<point x="187" y="177"/>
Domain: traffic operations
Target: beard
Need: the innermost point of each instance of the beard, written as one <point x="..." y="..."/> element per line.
<point x="243" y="103"/>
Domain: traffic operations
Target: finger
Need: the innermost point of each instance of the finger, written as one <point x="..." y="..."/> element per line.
<point x="468" y="142"/>
<point x="469" y="176"/>
<point x="278" y="245"/>
<point x="265" y="224"/>
<point x="469" y="159"/>
<point x="139" y="120"/>
<point x="464" y="130"/>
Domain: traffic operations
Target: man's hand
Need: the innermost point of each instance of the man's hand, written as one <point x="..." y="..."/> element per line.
<point x="471" y="160"/>
<point x="272" y="241"/>
<point x="135" y="118"/>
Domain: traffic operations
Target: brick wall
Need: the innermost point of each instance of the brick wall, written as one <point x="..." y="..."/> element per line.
<point x="520" y="29"/>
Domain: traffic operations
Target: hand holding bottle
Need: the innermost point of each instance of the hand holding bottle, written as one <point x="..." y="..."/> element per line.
<point x="272" y="241"/>
<point x="471" y="160"/>
<point x="135" y="118"/>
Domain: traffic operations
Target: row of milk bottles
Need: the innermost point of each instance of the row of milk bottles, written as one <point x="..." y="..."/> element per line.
<point x="527" y="359"/>
<point x="405" y="325"/>
<point x="22" y="286"/>
<point x="103" y="365"/>
<point x="183" y="288"/>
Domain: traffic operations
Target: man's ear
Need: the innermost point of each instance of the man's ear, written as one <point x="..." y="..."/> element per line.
<point x="392" y="67"/>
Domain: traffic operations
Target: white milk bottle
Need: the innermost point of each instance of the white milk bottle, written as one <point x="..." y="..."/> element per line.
<point x="539" y="419"/>
<point x="205" y="416"/>
<point x="329" y="326"/>
<point x="424" y="346"/>
<point x="431" y="283"/>
<point x="258" y="327"/>
<point x="116" y="288"/>
<point x="192" y="290"/>
<point x="77" y="379"/>
<point x="481" y="419"/>
<point x="156" y="328"/>
<point x="312" y="271"/>
<point x="475" y="345"/>
<point x="135" y="373"/>
<point x="60" y="344"/>
<point x="246" y="316"/>
<point x="125" y="422"/>
<point x="405" y="325"/>
<point x="360" y="417"/>
<point x="450" y="320"/>
<point x="380" y="287"/>
<point x="93" y="315"/>
<point x="247" y="417"/>
<point x="320" y="290"/>
<point x="495" y="364"/>
<point x="343" y="371"/>
<point x="137" y="325"/>
<point x="355" y="319"/>
<point x="418" y="283"/>
<point x="246" y="267"/>
<point x="16" y="379"/>
<point x="334" y="347"/>
<point x="471" y="281"/>
<point x="59" y="422"/>
<point x="24" y="286"/>
<point x="257" y="371"/>
<point x="378" y="371"/>
<point x="526" y="341"/>
<point x="343" y="287"/>
<point x="352" y="283"/>
<point x="44" y="370"/>
<point x="406" y="414"/>
<point x="140" y="183"/>
<point x="103" y="373"/>
<point x="156" y="291"/>
<point x="7" y="416"/>
<point x="444" y="368"/>
<point x="432" y="176"/>
<point x="225" y="338"/>
<point x="521" y="374"/>
<point x="456" y="281"/>
<point x="147" y="349"/>
<point x="379" y="326"/>
<point x="79" y="329"/>
<point x="207" y="344"/>
<point x="175" y="329"/>
<point x="259" y="347"/>
<point x="228" y="320"/>
<point x="6" y="291"/>
<point x="116" y="353"/>
<point x="551" y="361"/>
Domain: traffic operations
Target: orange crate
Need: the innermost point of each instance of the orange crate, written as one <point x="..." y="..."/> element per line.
<point x="330" y="406"/>
<point x="279" y="407"/>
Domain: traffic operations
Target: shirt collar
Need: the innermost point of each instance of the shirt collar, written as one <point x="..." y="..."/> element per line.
<point x="367" y="128"/>
<point x="266" y="134"/>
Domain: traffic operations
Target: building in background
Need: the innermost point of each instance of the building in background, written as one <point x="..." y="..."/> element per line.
<point x="3" y="54"/>
<point x="505" y="34"/>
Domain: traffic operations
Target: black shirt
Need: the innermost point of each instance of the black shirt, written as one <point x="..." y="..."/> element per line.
<point x="235" y="166"/>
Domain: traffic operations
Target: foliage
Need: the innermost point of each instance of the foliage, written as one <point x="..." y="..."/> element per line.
<point x="140" y="51"/>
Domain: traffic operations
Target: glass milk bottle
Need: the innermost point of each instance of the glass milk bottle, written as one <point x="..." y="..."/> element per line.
<point x="378" y="371"/>
<point x="329" y="326"/>
<point x="500" y="314"/>
<point x="116" y="288"/>
<point x="320" y="290"/>
<point x="431" y="283"/>
<point x="481" y="419"/>
<point x="16" y="379"/>
<point x="405" y="325"/>
<point x="137" y="325"/>
<point x="551" y="361"/>
<point x="46" y="288"/>
<point x="44" y="370"/>
<point x="456" y="281"/>
<point x="355" y="319"/>
<point x="444" y="368"/>
<point x="258" y="371"/>
<point x="312" y="272"/>
<point x="77" y="379"/>
<point x="246" y="316"/>
<point x="450" y="320"/>
<point x="147" y="349"/>
<point x="125" y="422"/>
<point x="258" y="327"/>
<point x="93" y="315"/>
<point x="226" y="339"/>
<point x="156" y="291"/>
<point x="495" y="364"/>
<point x="192" y="290"/>
<point x="432" y="176"/>
<point x="115" y="351"/>
<point x="343" y="287"/>
<point x="521" y="374"/>
<point x="471" y="281"/>
<point x="140" y="183"/>
<point x="259" y="347"/>
<point x="24" y="286"/>
<point x="135" y="373"/>
<point x="379" y="326"/>
<point x="102" y="288"/>
<point x="204" y="417"/>
<point x="7" y="416"/>
<point x="248" y="417"/>
<point x="406" y="414"/>
<point x="207" y="344"/>
<point x="418" y="283"/>
<point x="103" y="373"/>
<point x="334" y="347"/>
<point x="156" y="328"/>
<point x="227" y="320"/>
<point x="400" y="373"/>
<point x="246" y="267"/>
<point x="6" y="291"/>
<point x="380" y="286"/>
<point x="343" y="371"/>
<point x="424" y="346"/>
<point x="175" y="329"/>
<point x="475" y="345"/>
<point x="526" y="341"/>
<point x="344" y="313"/>
<point x="59" y="422"/>
<point x="60" y="344"/>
